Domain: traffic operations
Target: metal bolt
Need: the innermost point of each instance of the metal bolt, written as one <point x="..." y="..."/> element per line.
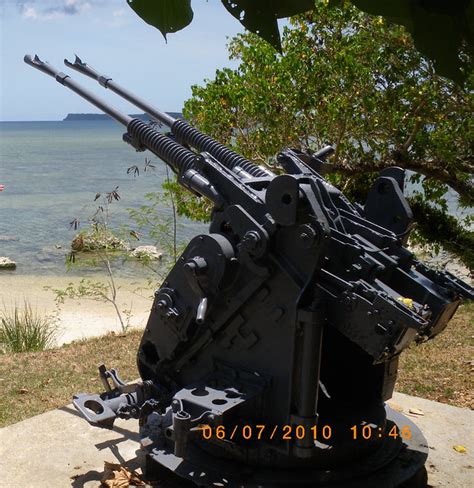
<point x="251" y="240"/>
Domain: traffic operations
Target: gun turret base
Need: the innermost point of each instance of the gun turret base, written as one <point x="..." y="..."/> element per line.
<point x="396" y="464"/>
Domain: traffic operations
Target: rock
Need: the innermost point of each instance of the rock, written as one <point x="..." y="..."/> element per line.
<point x="7" y="263"/>
<point x="416" y="411"/>
<point x="89" y="242"/>
<point x="146" y="252"/>
<point x="77" y="243"/>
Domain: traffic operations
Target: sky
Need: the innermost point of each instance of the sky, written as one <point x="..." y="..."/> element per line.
<point x="110" y="37"/>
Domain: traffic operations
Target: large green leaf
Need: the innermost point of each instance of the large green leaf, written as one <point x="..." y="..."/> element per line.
<point x="440" y="29"/>
<point x="261" y="16"/>
<point x="166" y="15"/>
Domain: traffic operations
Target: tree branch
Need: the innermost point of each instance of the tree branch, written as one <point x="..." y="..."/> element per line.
<point x="431" y="169"/>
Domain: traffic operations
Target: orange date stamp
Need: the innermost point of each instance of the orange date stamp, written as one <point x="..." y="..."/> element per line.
<point x="262" y="432"/>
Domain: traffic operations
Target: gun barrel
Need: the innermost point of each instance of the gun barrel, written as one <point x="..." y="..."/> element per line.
<point x="67" y="81"/>
<point x="107" y="82"/>
<point x="182" y="131"/>
<point x="141" y="135"/>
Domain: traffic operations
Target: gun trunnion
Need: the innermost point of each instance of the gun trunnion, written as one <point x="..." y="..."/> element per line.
<point x="276" y="336"/>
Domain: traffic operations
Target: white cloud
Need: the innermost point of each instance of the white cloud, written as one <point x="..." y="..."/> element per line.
<point x="55" y="10"/>
<point x="29" y="12"/>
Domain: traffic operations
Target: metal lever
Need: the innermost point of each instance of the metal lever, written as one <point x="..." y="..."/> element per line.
<point x="201" y="311"/>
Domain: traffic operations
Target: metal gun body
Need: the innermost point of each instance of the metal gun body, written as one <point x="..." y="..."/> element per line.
<point x="288" y="317"/>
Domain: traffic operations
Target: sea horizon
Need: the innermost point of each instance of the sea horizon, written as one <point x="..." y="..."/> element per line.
<point x="106" y="118"/>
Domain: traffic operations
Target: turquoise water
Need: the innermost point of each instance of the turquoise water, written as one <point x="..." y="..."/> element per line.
<point x="51" y="172"/>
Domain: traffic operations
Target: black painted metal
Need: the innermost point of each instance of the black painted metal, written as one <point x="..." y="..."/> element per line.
<point x="107" y="82"/>
<point x="398" y="463"/>
<point x="287" y="318"/>
<point x="67" y="81"/>
<point x="189" y="135"/>
<point x="179" y="158"/>
<point x="181" y="130"/>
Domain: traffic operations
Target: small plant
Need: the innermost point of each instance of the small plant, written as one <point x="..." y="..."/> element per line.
<point x="98" y="247"/>
<point x="23" y="329"/>
<point x="98" y="291"/>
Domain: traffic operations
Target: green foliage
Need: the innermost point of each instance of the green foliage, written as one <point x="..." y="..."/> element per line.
<point x="159" y="223"/>
<point x="86" y="288"/>
<point x="187" y="205"/>
<point x="166" y="15"/>
<point x="442" y="31"/>
<point x="23" y="329"/>
<point x="348" y="79"/>
<point x="96" y="290"/>
<point x="98" y="247"/>
<point x="158" y="219"/>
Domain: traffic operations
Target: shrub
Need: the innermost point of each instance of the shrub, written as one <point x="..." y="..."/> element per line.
<point x="23" y="329"/>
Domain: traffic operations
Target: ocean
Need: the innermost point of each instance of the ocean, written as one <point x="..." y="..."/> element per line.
<point x="51" y="172"/>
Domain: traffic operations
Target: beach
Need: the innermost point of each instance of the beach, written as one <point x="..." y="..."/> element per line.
<point x="55" y="179"/>
<point x="77" y="318"/>
<point x="82" y="318"/>
<point x="52" y="173"/>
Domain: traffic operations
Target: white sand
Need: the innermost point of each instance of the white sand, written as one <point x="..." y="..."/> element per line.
<point x="77" y="319"/>
<point x="83" y="318"/>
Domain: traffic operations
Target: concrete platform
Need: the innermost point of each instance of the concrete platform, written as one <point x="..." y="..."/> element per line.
<point x="59" y="449"/>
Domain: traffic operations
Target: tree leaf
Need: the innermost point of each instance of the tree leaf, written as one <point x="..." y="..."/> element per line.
<point x="440" y="30"/>
<point x="166" y="15"/>
<point x="416" y="411"/>
<point x="288" y="8"/>
<point x="260" y="17"/>
<point x="336" y="62"/>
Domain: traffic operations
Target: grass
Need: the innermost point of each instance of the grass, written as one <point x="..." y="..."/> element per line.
<point x="23" y="329"/>
<point x="442" y="369"/>
<point x="32" y="383"/>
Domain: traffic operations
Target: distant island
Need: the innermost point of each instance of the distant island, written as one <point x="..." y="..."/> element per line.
<point x="145" y="117"/>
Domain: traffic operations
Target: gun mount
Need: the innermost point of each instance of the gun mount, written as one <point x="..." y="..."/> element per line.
<point x="273" y="343"/>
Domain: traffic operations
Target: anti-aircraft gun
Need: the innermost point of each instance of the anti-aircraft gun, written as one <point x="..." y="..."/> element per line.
<point x="273" y="343"/>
